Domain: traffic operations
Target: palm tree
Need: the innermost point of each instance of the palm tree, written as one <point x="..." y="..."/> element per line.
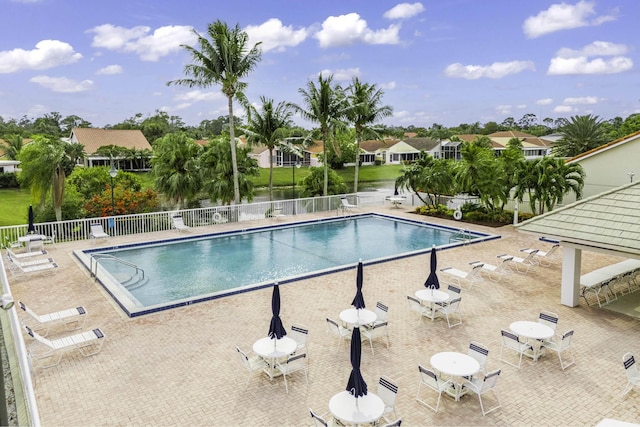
<point x="45" y="167"/>
<point x="12" y="147"/>
<point x="365" y="100"/>
<point x="580" y="134"/>
<point x="268" y="128"/>
<point x="223" y="60"/>
<point x="325" y="105"/>
<point x="175" y="168"/>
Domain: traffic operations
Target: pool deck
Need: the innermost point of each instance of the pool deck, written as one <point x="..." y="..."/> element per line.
<point x="180" y="366"/>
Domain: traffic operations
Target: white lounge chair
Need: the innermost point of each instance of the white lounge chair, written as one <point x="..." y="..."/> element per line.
<point x="178" y="224"/>
<point x="72" y="319"/>
<point x="345" y="206"/>
<point x="97" y="232"/>
<point x="93" y="338"/>
<point x="469" y="277"/>
<point x="43" y="265"/>
<point x="494" y="272"/>
<point x="28" y="254"/>
<point x="545" y="259"/>
<point x="522" y="264"/>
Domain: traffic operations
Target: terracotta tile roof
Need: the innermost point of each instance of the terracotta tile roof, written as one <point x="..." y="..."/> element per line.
<point x="622" y="140"/>
<point x="93" y="138"/>
<point x="608" y="220"/>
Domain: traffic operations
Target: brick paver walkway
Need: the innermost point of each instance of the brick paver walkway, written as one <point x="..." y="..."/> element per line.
<point x="180" y="367"/>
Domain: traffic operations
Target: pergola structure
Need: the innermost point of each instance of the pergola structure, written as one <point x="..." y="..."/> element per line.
<point x="607" y="223"/>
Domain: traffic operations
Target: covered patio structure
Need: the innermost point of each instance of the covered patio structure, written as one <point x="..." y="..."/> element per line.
<point x="607" y="223"/>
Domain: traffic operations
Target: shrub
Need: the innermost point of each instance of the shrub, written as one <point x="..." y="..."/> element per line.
<point x="8" y="180"/>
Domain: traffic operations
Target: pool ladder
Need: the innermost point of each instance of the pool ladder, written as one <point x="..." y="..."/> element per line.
<point x="128" y="283"/>
<point x="463" y="235"/>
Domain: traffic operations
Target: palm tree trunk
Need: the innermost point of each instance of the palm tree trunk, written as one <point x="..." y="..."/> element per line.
<point x="355" y="175"/>
<point x="270" y="174"/>
<point x="325" y="188"/>
<point x="57" y="194"/>
<point x="234" y="162"/>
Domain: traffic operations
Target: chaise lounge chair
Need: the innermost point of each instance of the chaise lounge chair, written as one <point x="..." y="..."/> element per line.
<point x="28" y="254"/>
<point x="345" y="206"/>
<point x="93" y="338"/>
<point x="73" y="318"/>
<point x="469" y="277"/>
<point x="495" y="271"/>
<point x="522" y="264"/>
<point x="178" y="224"/>
<point x="97" y="232"/>
<point x="545" y="259"/>
<point x="34" y="266"/>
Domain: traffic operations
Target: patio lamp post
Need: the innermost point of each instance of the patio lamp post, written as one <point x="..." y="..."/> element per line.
<point x="294" y="166"/>
<point x="112" y="173"/>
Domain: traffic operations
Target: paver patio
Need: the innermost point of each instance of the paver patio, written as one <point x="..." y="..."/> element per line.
<point x="180" y="367"/>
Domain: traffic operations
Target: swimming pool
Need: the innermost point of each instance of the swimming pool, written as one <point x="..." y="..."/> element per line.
<point x="189" y="269"/>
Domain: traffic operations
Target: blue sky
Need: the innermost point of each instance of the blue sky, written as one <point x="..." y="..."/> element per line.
<point x="446" y="62"/>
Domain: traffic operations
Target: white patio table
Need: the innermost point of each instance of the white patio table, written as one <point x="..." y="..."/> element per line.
<point x="272" y="350"/>
<point x="432" y="296"/>
<point x="457" y="365"/>
<point x="366" y="409"/>
<point x="360" y="317"/>
<point x="534" y="332"/>
<point x="28" y="238"/>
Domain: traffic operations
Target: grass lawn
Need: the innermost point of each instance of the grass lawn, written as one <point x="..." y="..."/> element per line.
<point x="14" y="206"/>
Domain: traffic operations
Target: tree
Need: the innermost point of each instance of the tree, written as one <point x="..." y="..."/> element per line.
<point x="223" y="60"/>
<point x="268" y="127"/>
<point x="325" y="105"/>
<point x="580" y="134"/>
<point x="175" y="168"/>
<point x="366" y="109"/>
<point x="479" y="173"/>
<point x="314" y="184"/>
<point x="13" y="146"/>
<point x="215" y="164"/>
<point x="45" y="165"/>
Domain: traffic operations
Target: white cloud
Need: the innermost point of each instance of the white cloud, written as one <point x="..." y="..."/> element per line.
<point x="47" y="54"/>
<point x="563" y="17"/>
<point x="597" y="48"/>
<point x="110" y="69"/>
<point x="544" y="101"/>
<point x="581" y="100"/>
<point x="497" y="70"/>
<point x="388" y="86"/>
<point x="404" y="10"/>
<point x="563" y="109"/>
<point x="199" y="95"/>
<point x="348" y="29"/>
<point x="582" y="65"/>
<point x="342" y="74"/>
<point x="62" y="84"/>
<point x="275" y="36"/>
<point x="504" y="109"/>
<point x="149" y="47"/>
<point x="521" y="106"/>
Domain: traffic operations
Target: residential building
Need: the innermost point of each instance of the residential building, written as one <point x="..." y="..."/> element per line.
<point x="132" y="140"/>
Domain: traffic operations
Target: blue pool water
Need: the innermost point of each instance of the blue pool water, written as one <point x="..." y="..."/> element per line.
<point x="188" y="269"/>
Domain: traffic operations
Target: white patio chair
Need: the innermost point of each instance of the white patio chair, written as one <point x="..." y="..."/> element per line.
<point x="50" y="240"/>
<point x="294" y="363"/>
<point x="416" y="306"/>
<point x="345" y="206"/>
<point x="449" y="308"/>
<point x="72" y="319"/>
<point x="322" y="420"/>
<point x="431" y="380"/>
<point x="512" y="342"/>
<point x="338" y="330"/>
<point x="299" y="334"/>
<point x="480" y="352"/>
<point x="178" y="224"/>
<point x="381" y="313"/>
<point x="495" y="272"/>
<point x="560" y="347"/>
<point x="548" y="318"/>
<point x="379" y="330"/>
<point x="470" y="277"/>
<point x="253" y="363"/>
<point x="93" y="338"/>
<point x="545" y="259"/>
<point x="482" y="385"/>
<point x="453" y="291"/>
<point x="97" y="232"/>
<point x="523" y="265"/>
<point x="631" y="370"/>
<point x="388" y="392"/>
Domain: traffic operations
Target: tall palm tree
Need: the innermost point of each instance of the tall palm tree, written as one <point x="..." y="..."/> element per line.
<point x="268" y="127"/>
<point x="224" y="59"/>
<point x="580" y="134"/>
<point x="365" y="100"/>
<point x="324" y="104"/>
<point x="12" y="147"/>
<point x="175" y="168"/>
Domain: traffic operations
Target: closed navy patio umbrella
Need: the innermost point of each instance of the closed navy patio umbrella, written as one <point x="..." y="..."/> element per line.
<point x="432" y="281"/>
<point x="32" y="228"/>
<point x="356" y="385"/>
<point x="358" y="300"/>
<point x="276" y="329"/>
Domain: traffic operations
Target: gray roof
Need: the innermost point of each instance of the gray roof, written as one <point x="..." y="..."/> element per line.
<point x="609" y="220"/>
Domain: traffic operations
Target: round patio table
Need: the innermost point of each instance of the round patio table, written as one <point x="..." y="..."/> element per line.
<point x="358" y="317"/>
<point x="363" y="410"/>
<point x="271" y="349"/>
<point x="456" y="365"/>
<point x="432" y="296"/>
<point x="535" y="333"/>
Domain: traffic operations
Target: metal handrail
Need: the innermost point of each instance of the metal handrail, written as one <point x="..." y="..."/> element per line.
<point x="98" y="257"/>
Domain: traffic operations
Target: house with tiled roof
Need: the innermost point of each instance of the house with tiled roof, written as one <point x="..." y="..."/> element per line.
<point x="375" y="149"/>
<point x="532" y="146"/>
<point x="92" y="139"/>
<point x="610" y="165"/>
<point x="282" y="158"/>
